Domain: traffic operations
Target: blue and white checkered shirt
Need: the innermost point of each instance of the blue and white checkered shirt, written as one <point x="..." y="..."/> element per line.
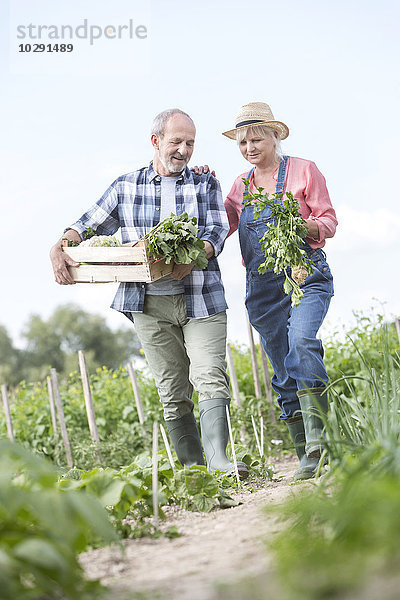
<point x="132" y="203"/>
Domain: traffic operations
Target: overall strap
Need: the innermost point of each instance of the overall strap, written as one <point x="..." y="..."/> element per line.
<point x="246" y="189"/>
<point x="281" y="175"/>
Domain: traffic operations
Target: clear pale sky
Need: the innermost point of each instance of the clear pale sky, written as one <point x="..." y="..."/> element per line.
<point x="72" y="122"/>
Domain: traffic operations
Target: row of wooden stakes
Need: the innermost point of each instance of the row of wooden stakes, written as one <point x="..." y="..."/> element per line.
<point x="57" y="412"/>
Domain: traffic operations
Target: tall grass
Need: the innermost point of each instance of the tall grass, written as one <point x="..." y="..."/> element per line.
<point x="365" y="420"/>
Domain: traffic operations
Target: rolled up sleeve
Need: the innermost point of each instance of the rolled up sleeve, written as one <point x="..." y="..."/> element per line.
<point x="233" y="204"/>
<point x="317" y="198"/>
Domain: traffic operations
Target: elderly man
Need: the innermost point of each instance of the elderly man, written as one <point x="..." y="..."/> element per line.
<point x="180" y="319"/>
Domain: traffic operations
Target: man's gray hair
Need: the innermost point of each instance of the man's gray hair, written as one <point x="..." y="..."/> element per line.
<point x="160" y="121"/>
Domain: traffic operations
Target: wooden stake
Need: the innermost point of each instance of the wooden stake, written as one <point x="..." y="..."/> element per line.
<point x="256" y="435"/>
<point x="228" y="418"/>
<point x="155" y="473"/>
<point x="235" y="388"/>
<point x="254" y="364"/>
<point x="87" y="392"/>
<point x="60" y="413"/>
<point x="233" y="376"/>
<point x="6" y="405"/>
<point x="267" y="383"/>
<point x="168" y="448"/>
<point x="136" y="393"/>
<point x="52" y="407"/>
<point x="262" y="435"/>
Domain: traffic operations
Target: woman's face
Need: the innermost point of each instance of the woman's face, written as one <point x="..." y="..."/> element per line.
<point x="258" y="150"/>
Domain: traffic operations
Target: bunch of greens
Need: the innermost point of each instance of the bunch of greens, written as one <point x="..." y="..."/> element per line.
<point x="282" y="243"/>
<point x="175" y="239"/>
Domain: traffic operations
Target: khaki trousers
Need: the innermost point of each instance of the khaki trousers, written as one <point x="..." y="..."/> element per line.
<point x="183" y="353"/>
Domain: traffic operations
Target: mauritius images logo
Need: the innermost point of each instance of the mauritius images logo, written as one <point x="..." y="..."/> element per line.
<point x="84" y="31"/>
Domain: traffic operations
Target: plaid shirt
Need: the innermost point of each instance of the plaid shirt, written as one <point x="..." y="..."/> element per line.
<point x="132" y="203"/>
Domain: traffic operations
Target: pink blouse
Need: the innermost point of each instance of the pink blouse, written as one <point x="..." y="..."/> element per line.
<point x="307" y="185"/>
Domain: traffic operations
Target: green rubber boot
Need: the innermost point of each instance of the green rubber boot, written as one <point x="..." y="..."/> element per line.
<point x="313" y="402"/>
<point x="186" y="440"/>
<point x="308" y="466"/>
<point x="215" y="435"/>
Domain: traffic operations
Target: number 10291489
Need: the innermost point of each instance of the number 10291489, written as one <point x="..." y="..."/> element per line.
<point x="45" y="48"/>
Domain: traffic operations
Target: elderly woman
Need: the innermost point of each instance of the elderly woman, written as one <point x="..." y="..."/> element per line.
<point x="288" y="333"/>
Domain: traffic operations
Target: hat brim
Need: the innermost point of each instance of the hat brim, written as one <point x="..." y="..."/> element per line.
<point x="278" y="126"/>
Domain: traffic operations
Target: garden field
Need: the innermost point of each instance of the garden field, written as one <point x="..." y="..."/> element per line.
<point x="89" y="528"/>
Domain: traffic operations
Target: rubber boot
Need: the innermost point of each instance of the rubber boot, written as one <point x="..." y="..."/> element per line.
<point x="215" y="435"/>
<point x="313" y="402"/>
<point x="186" y="440"/>
<point x="308" y="466"/>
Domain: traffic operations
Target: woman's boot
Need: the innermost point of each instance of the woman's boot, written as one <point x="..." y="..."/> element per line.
<point x="308" y="466"/>
<point x="186" y="440"/>
<point x="215" y="435"/>
<point x="313" y="402"/>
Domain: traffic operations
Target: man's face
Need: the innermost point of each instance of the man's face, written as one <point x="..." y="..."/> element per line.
<point x="175" y="147"/>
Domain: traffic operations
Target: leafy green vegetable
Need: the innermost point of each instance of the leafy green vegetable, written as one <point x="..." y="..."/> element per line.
<point x="100" y="240"/>
<point x="89" y="233"/>
<point x="175" y="239"/>
<point x="282" y="243"/>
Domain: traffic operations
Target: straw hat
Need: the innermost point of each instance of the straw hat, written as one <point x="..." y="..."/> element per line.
<point x="257" y="113"/>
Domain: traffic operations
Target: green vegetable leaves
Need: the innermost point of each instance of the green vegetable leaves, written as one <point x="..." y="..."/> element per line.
<point x="283" y="242"/>
<point x="42" y="530"/>
<point x="100" y="240"/>
<point x="175" y="239"/>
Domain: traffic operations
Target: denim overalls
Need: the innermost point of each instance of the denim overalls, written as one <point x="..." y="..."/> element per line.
<point x="288" y="334"/>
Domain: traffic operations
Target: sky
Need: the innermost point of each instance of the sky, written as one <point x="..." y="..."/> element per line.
<point x="71" y="122"/>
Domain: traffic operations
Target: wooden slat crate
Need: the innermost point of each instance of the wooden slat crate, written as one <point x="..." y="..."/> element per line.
<point x="135" y="263"/>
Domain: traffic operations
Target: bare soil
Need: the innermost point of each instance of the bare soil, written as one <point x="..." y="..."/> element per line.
<point x="214" y="548"/>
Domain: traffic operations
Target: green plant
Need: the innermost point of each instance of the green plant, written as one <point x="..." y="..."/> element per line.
<point x="175" y="238"/>
<point x="339" y="534"/>
<point x="347" y="527"/>
<point x="42" y="529"/>
<point x="283" y="242"/>
<point x="196" y="489"/>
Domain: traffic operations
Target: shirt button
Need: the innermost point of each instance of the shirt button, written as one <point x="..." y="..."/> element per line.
<point x="319" y="262"/>
<point x="157" y="208"/>
<point x="143" y="286"/>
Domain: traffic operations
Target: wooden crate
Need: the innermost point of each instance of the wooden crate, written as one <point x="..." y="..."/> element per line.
<point x="134" y="263"/>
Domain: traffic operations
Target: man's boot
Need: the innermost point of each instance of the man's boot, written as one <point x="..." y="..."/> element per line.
<point x="308" y="466"/>
<point x="186" y="440"/>
<point x="215" y="435"/>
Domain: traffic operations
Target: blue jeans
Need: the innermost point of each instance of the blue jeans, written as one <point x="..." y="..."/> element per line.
<point x="288" y="334"/>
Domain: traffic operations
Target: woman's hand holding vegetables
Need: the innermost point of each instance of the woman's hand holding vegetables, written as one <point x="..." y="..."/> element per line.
<point x="313" y="230"/>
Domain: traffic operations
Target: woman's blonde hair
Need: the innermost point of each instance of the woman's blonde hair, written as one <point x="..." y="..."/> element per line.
<point x="260" y="131"/>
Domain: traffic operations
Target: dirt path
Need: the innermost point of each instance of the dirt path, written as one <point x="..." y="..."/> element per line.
<point x="221" y="546"/>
